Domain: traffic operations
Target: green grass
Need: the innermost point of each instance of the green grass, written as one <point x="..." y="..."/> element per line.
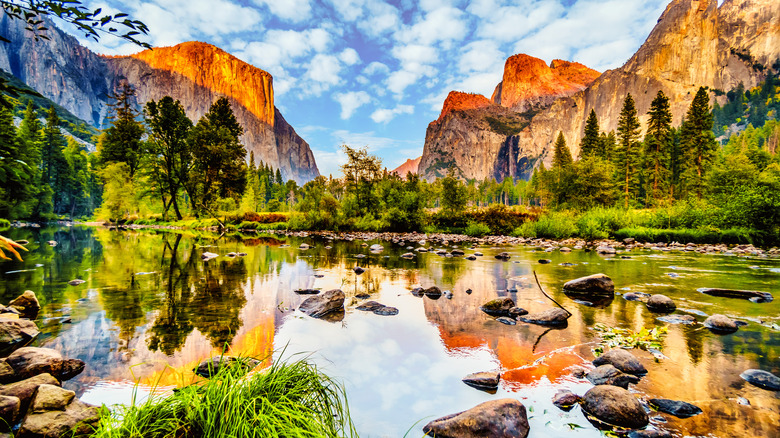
<point x="288" y="399"/>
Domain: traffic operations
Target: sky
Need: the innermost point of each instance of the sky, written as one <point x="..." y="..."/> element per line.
<point x="374" y="73"/>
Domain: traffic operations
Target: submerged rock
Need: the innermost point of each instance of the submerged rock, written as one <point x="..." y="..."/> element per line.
<point x="752" y="295"/>
<point x="307" y="291"/>
<point x="545" y="261"/>
<point x="679" y="409"/>
<point x="16" y="333"/>
<point x="370" y="306"/>
<point x="661" y="304"/>
<point x="551" y="317"/>
<point x="31" y="361"/>
<point x="609" y="375"/>
<point x="762" y="379"/>
<point x="615" y="406"/>
<point x="514" y="312"/>
<point x="505" y="418"/>
<point x="506" y="320"/>
<point x="320" y="305"/>
<point x="27" y="304"/>
<point x="622" y="360"/>
<point x="565" y="399"/>
<point x="721" y="324"/>
<point x="504" y="256"/>
<point x="678" y="319"/>
<point x="592" y="284"/>
<point x="498" y="307"/>
<point x="418" y="292"/>
<point x="647" y="433"/>
<point x="358" y="270"/>
<point x="485" y="380"/>
<point x="386" y="311"/>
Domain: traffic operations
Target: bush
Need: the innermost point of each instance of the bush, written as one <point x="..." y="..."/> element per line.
<point x="266" y="218"/>
<point x="553" y="225"/>
<point x="499" y="218"/>
<point x="4" y="223"/>
<point x="369" y="223"/>
<point x="476" y="229"/>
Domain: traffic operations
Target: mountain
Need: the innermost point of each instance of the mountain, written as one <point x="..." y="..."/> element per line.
<point x="195" y="73"/>
<point x="695" y="43"/>
<point x="409" y="166"/>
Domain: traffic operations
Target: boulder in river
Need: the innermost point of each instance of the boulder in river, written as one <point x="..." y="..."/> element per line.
<point x="622" y="360"/>
<point x="679" y="409"/>
<point x="27" y="305"/>
<point x="51" y="398"/>
<point x="25" y="389"/>
<point x="433" y="292"/>
<point x="506" y="320"/>
<point x="418" y="292"/>
<point x="550" y="317"/>
<point x="762" y="379"/>
<point x="212" y="367"/>
<point x="9" y="410"/>
<point x="598" y="284"/>
<point x="661" y="304"/>
<point x="609" y="375"/>
<point x="77" y="419"/>
<point x="678" y="319"/>
<point x="752" y="295"/>
<point x="78" y="281"/>
<point x="408" y="255"/>
<point x="515" y="312"/>
<point x="370" y="306"/>
<point x="320" y="305"/>
<point x="31" y="361"/>
<point x="545" y="261"/>
<point x="16" y="333"/>
<point x="498" y="307"/>
<point x="615" y="406"/>
<point x="358" y="270"/>
<point x="504" y="256"/>
<point x="565" y="399"/>
<point x="386" y="311"/>
<point x="504" y="418"/>
<point x="650" y="433"/>
<point x="485" y="380"/>
<point x="721" y="324"/>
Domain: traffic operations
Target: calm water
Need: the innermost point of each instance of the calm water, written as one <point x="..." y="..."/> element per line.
<point x="151" y="309"/>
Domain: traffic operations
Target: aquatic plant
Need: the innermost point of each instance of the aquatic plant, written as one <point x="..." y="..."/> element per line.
<point x="613" y="337"/>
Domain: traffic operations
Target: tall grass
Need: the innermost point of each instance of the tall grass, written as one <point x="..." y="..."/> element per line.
<point x="288" y="399"/>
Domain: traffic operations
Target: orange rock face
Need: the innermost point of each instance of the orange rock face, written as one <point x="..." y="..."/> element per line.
<point x="459" y="101"/>
<point x="409" y="166"/>
<point x="529" y="82"/>
<point x="219" y="71"/>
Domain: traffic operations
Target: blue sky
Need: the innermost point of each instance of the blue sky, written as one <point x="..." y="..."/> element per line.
<point x="375" y="73"/>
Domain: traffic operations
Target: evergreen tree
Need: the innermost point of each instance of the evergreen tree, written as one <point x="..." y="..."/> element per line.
<point x="16" y="175"/>
<point x="54" y="167"/>
<point x="589" y="145"/>
<point x="658" y="145"/>
<point x="698" y="142"/>
<point x="75" y="182"/>
<point x="627" y="152"/>
<point x="30" y="139"/>
<point x="607" y="145"/>
<point x="562" y="155"/>
<point x="122" y="142"/>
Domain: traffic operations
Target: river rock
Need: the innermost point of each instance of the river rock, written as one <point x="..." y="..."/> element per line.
<point x="565" y="399"/>
<point x="418" y="292"/>
<point x="485" y="380"/>
<point x="762" y="379"/>
<point x="458" y="252"/>
<point x="622" y="360"/>
<point x="9" y="410"/>
<point x="609" y="375"/>
<point x="504" y="418"/>
<point x="78" y="419"/>
<point x="205" y="256"/>
<point x="504" y="256"/>
<point x="31" y="361"/>
<point x="16" y="333"/>
<point x="407" y="255"/>
<point x="386" y="311"/>
<point x="498" y="307"/>
<point x="320" y="305"/>
<point x="598" y="284"/>
<point x="358" y="270"/>
<point x="721" y="324"/>
<point x="678" y="319"/>
<point x="515" y="312"/>
<point x="27" y="304"/>
<point x="7" y="374"/>
<point x="506" y="320"/>
<point x="679" y="409"/>
<point x="615" y="406"/>
<point x="552" y="317"/>
<point x="25" y="389"/>
<point x="647" y="433"/>
<point x="545" y="261"/>
<point x="433" y="292"/>
<point x="212" y="367"/>
<point x="376" y="247"/>
<point x="605" y="249"/>
<point x="51" y="398"/>
<point x="661" y="304"/>
<point x="78" y="281"/>
<point x="752" y="295"/>
<point x="307" y="291"/>
<point x="471" y="258"/>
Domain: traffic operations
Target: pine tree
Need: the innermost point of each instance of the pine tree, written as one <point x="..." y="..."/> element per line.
<point x="122" y="142"/>
<point x="30" y="138"/>
<point x="658" y="145"/>
<point x="628" y="148"/>
<point x="590" y="141"/>
<point x="607" y="146"/>
<point x="54" y="167"/>
<point x="698" y="142"/>
<point x="562" y="155"/>
<point x="16" y="176"/>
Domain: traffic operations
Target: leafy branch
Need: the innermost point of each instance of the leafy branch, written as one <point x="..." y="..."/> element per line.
<point x="613" y="337"/>
<point x="10" y="246"/>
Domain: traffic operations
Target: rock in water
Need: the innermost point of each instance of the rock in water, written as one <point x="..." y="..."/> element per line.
<point x="752" y="295"/>
<point x="212" y="367"/>
<point x="545" y="261"/>
<point x="504" y="256"/>
<point x="386" y="311"/>
<point x="762" y="379"/>
<point x="25" y="389"/>
<point x="506" y="320"/>
<point x="615" y="406"/>
<point x="498" y="307"/>
<point x="565" y="399"/>
<point x="31" y="361"/>
<point x="678" y="319"/>
<point x="320" y="305"/>
<point x="647" y="433"/>
<point x="16" y="333"/>
<point x="514" y="312"/>
<point x="370" y="306"/>
<point x="679" y="409"/>
<point x="358" y="270"/>
<point x="27" y="304"/>
<point x="622" y="360"/>
<point x="79" y="281"/>
<point x="661" y="304"/>
<point x="485" y="380"/>
<point x="721" y="324"/>
<point x="307" y="291"/>
<point x="609" y="375"/>
<point x="51" y="398"/>
<point x="505" y="418"/>
<point x="592" y="284"/>
<point x="551" y="317"/>
<point x="433" y="292"/>
<point x="78" y="419"/>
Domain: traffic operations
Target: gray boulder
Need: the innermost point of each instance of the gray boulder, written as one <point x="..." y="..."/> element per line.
<point x="615" y="406"/>
<point x="622" y="360"/>
<point x="320" y="305"/>
<point x="721" y="324"/>
<point x="505" y="418"/>
<point x="679" y="409"/>
<point x="16" y="333"/>
<point x="485" y="380"/>
<point x="661" y="304"/>
<point x="549" y="317"/>
<point x="27" y="305"/>
<point x="598" y="284"/>
<point x="762" y="379"/>
<point x="609" y="375"/>
<point x="31" y="361"/>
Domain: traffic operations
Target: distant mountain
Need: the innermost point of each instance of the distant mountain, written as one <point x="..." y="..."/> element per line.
<point x="409" y="166"/>
<point x="195" y="73"/>
<point x="695" y="43"/>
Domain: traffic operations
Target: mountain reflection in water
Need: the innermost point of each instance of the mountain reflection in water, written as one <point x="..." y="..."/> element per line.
<point x="151" y="309"/>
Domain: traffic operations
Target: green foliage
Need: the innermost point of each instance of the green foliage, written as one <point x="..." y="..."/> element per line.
<point x="657" y="148"/>
<point x="589" y="145"/>
<point x="119" y="195"/>
<point x="627" y="154"/>
<point x="453" y="197"/>
<point x="122" y="140"/>
<point x="562" y="155"/>
<point x="697" y="143"/>
<point x="554" y="225"/>
<point x="476" y="229"/>
<point x="505" y="125"/>
<point x="613" y="337"/>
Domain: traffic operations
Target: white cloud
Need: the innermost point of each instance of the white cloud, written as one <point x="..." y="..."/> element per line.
<point x="349" y="56"/>
<point x="323" y="72"/>
<point x="385" y="115"/>
<point x="375" y="68"/>
<point x="289" y="10"/>
<point x="443" y="24"/>
<point x="351" y="101"/>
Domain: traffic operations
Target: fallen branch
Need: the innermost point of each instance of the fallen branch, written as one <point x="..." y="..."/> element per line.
<point x="545" y="294"/>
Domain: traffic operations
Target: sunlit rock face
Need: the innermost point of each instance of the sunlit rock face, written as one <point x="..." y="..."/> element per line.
<point x="408" y="166"/>
<point x="195" y="73"/>
<point x="695" y="43"/>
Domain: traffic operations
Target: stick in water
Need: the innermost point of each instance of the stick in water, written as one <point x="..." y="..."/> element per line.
<point x="545" y="294"/>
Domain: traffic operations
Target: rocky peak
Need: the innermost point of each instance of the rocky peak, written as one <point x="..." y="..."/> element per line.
<point x="459" y="101"/>
<point x="409" y="166"/>
<point x="529" y="83"/>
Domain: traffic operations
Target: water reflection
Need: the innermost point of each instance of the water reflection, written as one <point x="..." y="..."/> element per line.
<point x="151" y="308"/>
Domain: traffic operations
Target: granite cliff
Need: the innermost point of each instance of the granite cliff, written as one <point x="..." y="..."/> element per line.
<point x="194" y="73"/>
<point x="408" y="166"/>
<point x="695" y="43"/>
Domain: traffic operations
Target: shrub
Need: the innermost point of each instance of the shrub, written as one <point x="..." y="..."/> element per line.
<point x="556" y="225"/>
<point x="499" y="218"/>
<point x="4" y="223"/>
<point x="266" y="218"/>
<point x="476" y="229"/>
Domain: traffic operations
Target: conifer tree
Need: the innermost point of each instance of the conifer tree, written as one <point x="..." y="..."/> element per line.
<point x="562" y="155"/>
<point x="658" y="145"/>
<point x="16" y="190"/>
<point x="122" y="142"/>
<point x="698" y="142"/>
<point x="30" y="139"/>
<point x="607" y="145"/>
<point x="54" y="167"/>
<point x="628" y="148"/>
<point x="590" y="141"/>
